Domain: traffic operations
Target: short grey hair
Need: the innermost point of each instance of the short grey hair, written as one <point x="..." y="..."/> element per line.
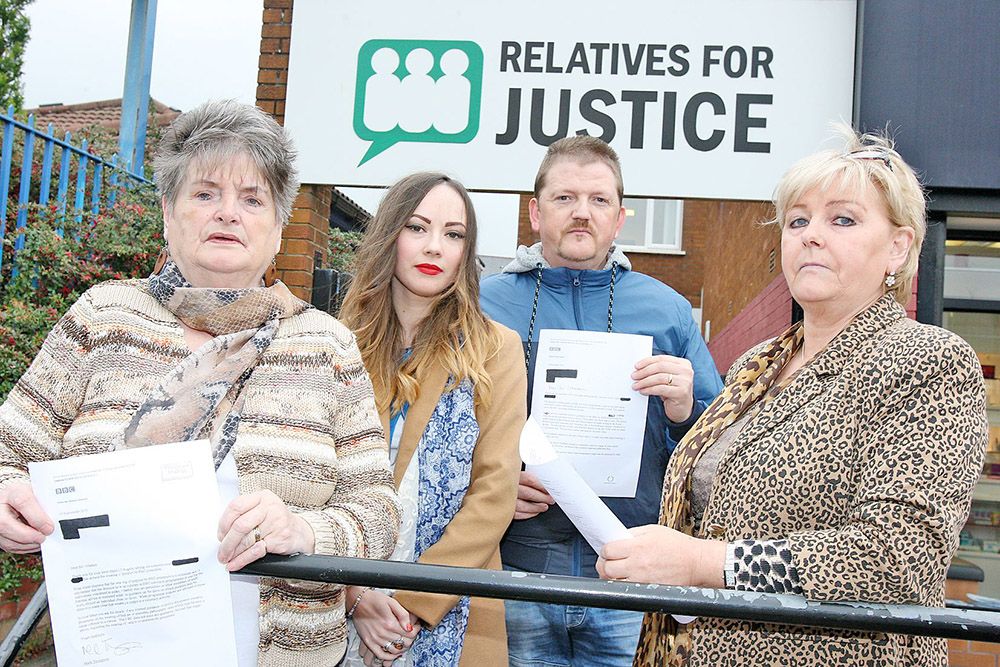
<point x="216" y="131"/>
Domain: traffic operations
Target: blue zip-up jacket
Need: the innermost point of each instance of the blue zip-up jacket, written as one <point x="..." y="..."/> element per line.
<point x="571" y="299"/>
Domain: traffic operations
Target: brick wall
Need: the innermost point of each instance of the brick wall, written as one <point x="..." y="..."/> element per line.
<point x="307" y="233"/>
<point x="742" y="257"/>
<point x="766" y="316"/>
<point x="682" y="272"/>
<point x="965" y="653"/>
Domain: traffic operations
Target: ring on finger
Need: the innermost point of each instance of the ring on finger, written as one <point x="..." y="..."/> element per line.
<point x="387" y="646"/>
<point x="670" y="379"/>
<point x="256" y="534"/>
<point x="398" y="643"/>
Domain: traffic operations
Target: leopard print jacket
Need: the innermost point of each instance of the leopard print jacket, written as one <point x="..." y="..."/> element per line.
<point x="865" y="462"/>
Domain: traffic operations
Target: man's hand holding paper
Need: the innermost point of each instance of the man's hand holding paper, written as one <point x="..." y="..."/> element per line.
<point x="577" y="500"/>
<point x="532" y="498"/>
<point x="669" y="378"/>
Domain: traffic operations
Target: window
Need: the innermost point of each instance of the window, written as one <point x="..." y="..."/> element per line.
<point x="652" y="225"/>
<point x="972" y="270"/>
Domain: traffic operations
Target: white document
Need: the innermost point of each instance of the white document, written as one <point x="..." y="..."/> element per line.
<point x="131" y="569"/>
<point x="582" y="397"/>
<point x="575" y="498"/>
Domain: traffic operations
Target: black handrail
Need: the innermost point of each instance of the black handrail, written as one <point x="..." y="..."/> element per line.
<point x="952" y="623"/>
<point x="719" y="603"/>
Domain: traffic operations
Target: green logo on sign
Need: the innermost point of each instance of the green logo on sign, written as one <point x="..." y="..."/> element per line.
<point x="417" y="90"/>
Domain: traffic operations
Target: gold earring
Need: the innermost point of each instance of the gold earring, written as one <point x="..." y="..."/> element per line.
<point x="161" y="259"/>
<point x="271" y="274"/>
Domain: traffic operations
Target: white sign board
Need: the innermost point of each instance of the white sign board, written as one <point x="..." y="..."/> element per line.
<point x="703" y="100"/>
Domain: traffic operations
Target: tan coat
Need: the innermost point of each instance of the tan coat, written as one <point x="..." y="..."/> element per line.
<point x="866" y="463"/>
<point x="472" y="537"/>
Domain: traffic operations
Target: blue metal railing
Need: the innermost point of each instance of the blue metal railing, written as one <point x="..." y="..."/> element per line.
<point x="90" y="175"/>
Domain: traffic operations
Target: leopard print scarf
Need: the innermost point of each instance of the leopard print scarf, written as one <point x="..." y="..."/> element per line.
<point x="201" y="397"/>
<point x="663" y="641"/>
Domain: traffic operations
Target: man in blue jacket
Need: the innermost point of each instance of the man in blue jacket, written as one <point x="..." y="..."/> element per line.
<point x="577" y="279"/>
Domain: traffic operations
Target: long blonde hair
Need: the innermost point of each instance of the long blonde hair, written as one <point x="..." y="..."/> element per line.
<point x="455" y="333"/>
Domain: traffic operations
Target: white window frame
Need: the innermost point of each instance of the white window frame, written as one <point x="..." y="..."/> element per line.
<point x="648" y="246"/>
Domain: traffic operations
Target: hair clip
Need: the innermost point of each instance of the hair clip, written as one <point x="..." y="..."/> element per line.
<point x="872" y="153"/>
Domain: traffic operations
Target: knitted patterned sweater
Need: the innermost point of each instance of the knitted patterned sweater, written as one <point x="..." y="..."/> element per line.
<point x="309" y="432"/>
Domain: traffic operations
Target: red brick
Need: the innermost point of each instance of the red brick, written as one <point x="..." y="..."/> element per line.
<point x="270" y="45"/>
<point x="273" y="16"/>
<point x="297" y="231"/>
<point x="958" y="646"/>
<point x="266" y="105"/>
<point x="297" y="247"/>
<point x="972" y="660"/>
<point x="294" y="263"/>
<point x="273" y="61"/>
<point x="276" y="30"/>
<point x="271" y="92"/>
<point x="297" y="278"/>
<point x="310" y="218"/>
<point x="269" y="4"/>
<point x="984" y="647"/>
<point x="272" y="76"/>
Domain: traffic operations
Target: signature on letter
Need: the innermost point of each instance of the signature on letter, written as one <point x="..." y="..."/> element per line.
<point x="107" y="647"/>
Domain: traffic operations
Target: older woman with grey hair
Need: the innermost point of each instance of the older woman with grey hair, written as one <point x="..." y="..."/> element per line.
<point x="211" y="346"/>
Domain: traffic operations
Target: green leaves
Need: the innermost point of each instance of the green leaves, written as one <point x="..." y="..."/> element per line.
<point x="54" y="270"/>
<point x="342" y="246"/>
<point x="14" y="26"/>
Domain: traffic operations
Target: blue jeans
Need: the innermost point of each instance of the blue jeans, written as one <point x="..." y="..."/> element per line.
<point x="555" y="635"/>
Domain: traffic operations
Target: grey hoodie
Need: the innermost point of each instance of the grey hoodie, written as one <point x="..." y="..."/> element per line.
<point x="528" y="258"/>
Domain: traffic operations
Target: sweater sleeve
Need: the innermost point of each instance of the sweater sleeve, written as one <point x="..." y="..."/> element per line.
<point x="473" y="535"/>
<point x="919" y="457"/>
<point x="46" y="400"/>
<point x="361" y="518"/>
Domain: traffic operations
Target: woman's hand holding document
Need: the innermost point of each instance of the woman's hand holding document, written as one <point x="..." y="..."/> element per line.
<point x="131" y="568"/>
<point x="575" y="498"/>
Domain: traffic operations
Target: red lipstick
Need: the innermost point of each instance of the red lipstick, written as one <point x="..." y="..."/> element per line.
<point x="429" y="269"/>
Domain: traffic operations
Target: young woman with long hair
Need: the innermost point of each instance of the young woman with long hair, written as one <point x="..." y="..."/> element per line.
<point x="450" y="388"/>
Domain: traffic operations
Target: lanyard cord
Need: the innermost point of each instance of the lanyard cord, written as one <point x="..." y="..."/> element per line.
<point x="534" y="308"/>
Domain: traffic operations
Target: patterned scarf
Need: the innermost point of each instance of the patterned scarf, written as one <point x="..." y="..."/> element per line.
<point x="663" y="641"/>
<point x="202" y="396"/>
<point x="445" y="465"/>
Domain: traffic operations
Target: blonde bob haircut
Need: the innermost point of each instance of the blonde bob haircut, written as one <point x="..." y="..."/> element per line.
<point x="455" y="334"/>
<point x="867" y="161"/>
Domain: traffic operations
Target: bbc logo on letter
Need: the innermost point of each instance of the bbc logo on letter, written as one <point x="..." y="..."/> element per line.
<point x="427" y="91"/>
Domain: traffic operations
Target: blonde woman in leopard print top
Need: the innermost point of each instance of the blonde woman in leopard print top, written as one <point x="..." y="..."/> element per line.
<point x="839" y="461"/>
